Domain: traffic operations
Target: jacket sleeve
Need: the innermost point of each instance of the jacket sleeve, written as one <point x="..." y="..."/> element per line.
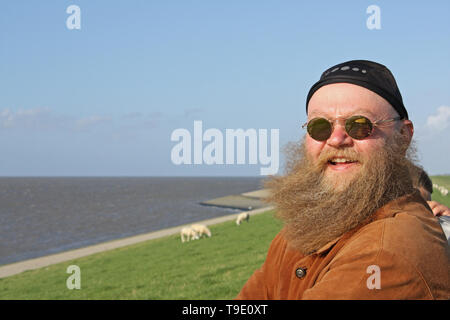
<point x="261" y="285"/>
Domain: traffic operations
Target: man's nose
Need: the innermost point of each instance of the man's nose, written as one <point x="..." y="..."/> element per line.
<point x="339" y="137"/>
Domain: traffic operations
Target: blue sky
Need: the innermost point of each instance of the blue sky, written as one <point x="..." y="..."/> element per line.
<point x="103" y="100"/>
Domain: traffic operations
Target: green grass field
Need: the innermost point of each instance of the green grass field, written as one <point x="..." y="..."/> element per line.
<point x="436" y="195"/>
<point x="165" y="268"/>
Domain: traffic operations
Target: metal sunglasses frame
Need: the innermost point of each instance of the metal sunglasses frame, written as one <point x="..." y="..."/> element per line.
<point x="343" y="121"/>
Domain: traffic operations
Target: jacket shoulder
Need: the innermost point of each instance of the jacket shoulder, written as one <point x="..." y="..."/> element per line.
<point x="409" y="245"/>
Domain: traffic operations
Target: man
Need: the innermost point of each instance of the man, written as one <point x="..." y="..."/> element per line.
<point x="354" y="226"/>
<point x="422" y="182"/>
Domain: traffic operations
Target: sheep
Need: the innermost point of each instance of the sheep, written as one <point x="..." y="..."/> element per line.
<point x="241" y="217"/>
<point x="201" y="230"/>
<point x="188" y="234"/>
<point x="443" y="190"/>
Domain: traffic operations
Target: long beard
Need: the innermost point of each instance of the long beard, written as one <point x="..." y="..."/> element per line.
<point x="316" y="212"/>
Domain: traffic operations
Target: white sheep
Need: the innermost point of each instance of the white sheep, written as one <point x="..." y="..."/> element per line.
<point x="188" y="234"/>
<point x="201" y="230"/>
<point x="241" y="217"/>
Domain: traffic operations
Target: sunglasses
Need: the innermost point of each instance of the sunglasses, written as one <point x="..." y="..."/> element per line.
<point x="357" y="127"/>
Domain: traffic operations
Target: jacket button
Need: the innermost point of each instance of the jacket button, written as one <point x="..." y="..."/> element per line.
<point x="300" y="272"/>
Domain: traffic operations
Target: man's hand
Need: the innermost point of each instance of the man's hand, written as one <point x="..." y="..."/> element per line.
<point x="439" y="209"/>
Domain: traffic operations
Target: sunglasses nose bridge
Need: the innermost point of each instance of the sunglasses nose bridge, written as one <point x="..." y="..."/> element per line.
<point x="337" y="121"/>
<point x="339" y="135"/>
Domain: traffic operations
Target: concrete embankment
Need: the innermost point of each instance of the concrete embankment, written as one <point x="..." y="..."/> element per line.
<point x="245" y="201"/>
<point x="18" y="267"/>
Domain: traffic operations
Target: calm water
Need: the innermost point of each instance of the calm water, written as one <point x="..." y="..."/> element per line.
<point x="41" y="216"/>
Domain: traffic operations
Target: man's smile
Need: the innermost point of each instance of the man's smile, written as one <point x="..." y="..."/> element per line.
<point x="342" y="163"/>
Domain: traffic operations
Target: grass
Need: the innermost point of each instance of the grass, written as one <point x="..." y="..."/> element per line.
<point x="436" y="195"/>
<point x="165" y="268"/>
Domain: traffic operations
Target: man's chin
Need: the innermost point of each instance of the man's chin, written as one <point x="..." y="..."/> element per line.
<point x="339" y="180"/>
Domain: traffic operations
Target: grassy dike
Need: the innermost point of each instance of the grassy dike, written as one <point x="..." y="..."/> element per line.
<point x="164" y="268"/>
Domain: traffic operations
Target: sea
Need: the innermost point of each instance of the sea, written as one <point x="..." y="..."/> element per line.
<point x="47" y="215"/>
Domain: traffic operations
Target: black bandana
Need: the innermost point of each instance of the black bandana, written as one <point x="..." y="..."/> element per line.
<point x="370" y="75"/>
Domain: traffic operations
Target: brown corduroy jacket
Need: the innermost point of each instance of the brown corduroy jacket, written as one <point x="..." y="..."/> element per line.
<point x="401" y="254"/>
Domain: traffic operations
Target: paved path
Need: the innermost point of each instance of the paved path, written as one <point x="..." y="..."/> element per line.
<point x="18" y="267"/>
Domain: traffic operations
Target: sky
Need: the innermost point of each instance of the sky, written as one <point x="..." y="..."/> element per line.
<point x="105" y="99"/>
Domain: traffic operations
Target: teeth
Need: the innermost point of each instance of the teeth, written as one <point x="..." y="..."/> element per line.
<point x="341" y="160"/>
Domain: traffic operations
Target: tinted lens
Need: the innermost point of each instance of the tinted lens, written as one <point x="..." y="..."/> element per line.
<point x="319" y="129"/>
<point x="358" y="127"/>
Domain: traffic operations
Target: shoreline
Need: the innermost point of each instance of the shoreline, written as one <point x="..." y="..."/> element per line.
<point x="41" y="262"/>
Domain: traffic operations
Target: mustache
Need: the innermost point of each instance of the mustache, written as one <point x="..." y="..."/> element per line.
<point x="329" y="154"/>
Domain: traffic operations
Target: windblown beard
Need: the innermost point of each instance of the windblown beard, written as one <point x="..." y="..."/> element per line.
<point x="315" y="213"/>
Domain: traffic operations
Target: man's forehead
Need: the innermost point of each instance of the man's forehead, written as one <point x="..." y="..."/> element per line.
<point x="342" y="112"/>
<point x="343" y="99"/>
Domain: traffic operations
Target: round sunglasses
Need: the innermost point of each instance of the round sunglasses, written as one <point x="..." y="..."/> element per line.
<point x="358" y="127"/>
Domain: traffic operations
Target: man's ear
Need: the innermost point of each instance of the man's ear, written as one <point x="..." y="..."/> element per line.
<point x="407" y="130"/>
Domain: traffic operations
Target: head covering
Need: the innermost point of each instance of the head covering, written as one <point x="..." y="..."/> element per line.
<point x="368" y="74"/>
